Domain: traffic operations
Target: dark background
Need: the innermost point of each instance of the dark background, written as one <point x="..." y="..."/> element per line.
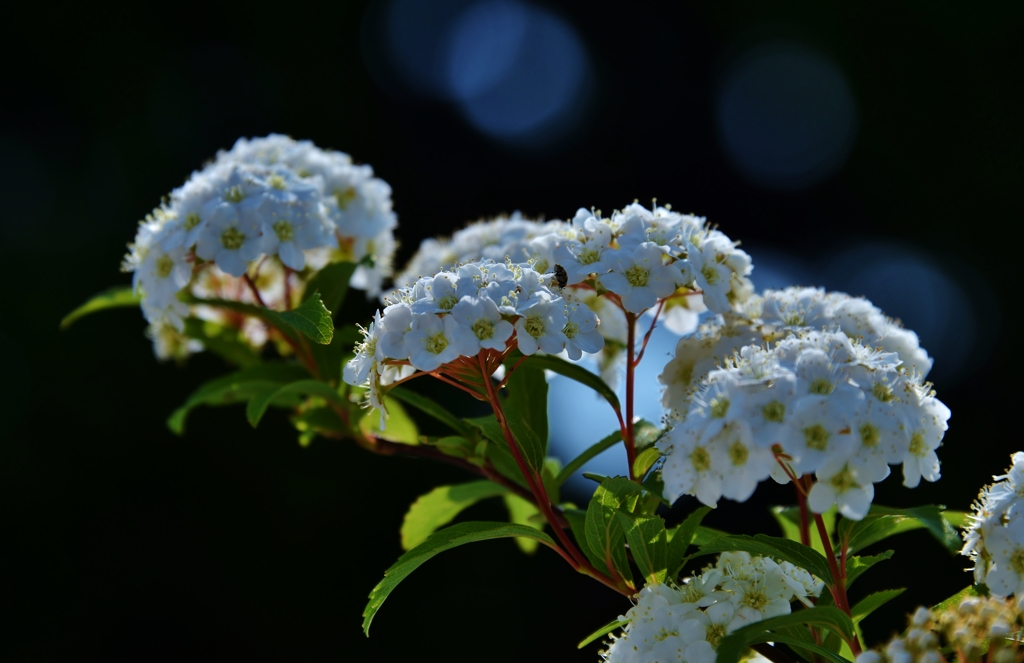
<point x="127" y="543"/>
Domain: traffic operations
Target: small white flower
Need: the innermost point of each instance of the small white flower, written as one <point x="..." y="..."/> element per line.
<point x="540" y="327"/>
<point x="639" y="277"/>
<point x="581" y="332"/>
<point x="482" y="318"/>
<point x="434" y="341"/>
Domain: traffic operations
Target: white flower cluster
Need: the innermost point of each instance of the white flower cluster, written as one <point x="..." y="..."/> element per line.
<point x="836" y="408"/>
<point x="977" y="629"/>
<point x="482" y="305"/>
<point x="814" y="308"/>
<point x="266" y="198"/>
<point x="687" y="623"/>
<point x="775" y="315"/>
<point x="638" y="255"/>
<point x="995" y="537"/>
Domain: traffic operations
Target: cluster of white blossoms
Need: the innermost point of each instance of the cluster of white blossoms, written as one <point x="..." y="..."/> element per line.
<point x="640" y="256"/>
<point x="821" y="402"/>
<point x="977" y="629"/>
<point x="995" y="537"/>
<point x="272" y="211"/>
<point x="481" y="305"/>
<point x="687" y="623"/>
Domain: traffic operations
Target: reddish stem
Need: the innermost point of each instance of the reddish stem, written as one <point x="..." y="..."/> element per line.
<point x="536" y="484"/>
<point x="647" y="336"/>
<point x="255" y="290"/>
<point x="628" y="436"/>
<point x="838" y="574"/>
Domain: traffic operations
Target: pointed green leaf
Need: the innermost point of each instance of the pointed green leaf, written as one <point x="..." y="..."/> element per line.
<point x="605" y="534"/>
<point x="706" y="535"/>
<point x="644" y="460"/>
<point x="958" y="519"/>
<point x="953" y="602"/>
<point x="680" y="539"/>
<point x="873" y="602"/>
<point x="601" y="632"/>
<point x="312" y="319"/>
<point x="526" y="412"/>
<point x="432" y="409"/>
<point x="883" y="522"/>
<point x="773" y="546"/>
<point x="593" y="450"/>
<point x="648" y="544"/>
<point x="731" y="648"/>
<point x="440" y="506"/>
<point x="238" y="386"/>
<point x="856" y="565"/>
<point x="118" y="297"/>
<point x="577" y="373"/>
<point x="523" y="512"/>
<point x="332" y="283"/>
<point x="258" y="404"/>
<point x="438" y="542"/>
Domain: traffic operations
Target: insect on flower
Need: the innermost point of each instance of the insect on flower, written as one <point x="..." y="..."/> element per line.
<point x="561" y="277"/>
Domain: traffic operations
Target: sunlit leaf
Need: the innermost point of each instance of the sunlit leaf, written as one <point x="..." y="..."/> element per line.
<point x="119" y="297"/>
<point x="440" y="506"/>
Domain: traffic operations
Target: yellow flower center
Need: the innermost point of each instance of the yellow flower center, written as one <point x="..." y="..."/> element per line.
<point x="738" y="453"/>
<point x="816" y="437"/>
<point x="710" y="274"/>
<point x="719" y="406"/>
<point x="917" y="445"/>
<point x="755" y="600"/>
<point x="701" y="459"/>
<point x="191" y="220"/>
<point x="883" y="392"/>
<point x="447" y="303"/>
<point x="571" y="329"/>
<point x="843" y="481"/>
<point x="483" y="328"/>
<point x="232" y="238"/>
<point x="277" y="182"/>
<point x="234" y="194"/>
<point x="822" y="387"/>
<point x="284" y="230"/>
<point x="637" y="276"/>
<point x="588" y="256"/>
<point x="164" y="265"/>
<point x="534" y="326"/>
<point x="869" y="434"/>
<point x="774" y="412"/>
<point x="437" y="343"/>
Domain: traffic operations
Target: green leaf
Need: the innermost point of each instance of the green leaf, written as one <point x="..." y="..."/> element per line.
<point x="873" y="602"/>
<point x="680" y="539"/>
<point x="773" y="546"/>
<point x="258" y="404"/>
<point x="732" y="647"/>
<point x="223" y="341"/>
<point x="644" y="460"/>
<point x="953" y="602"/>
<point x="332" y="283"/>
<point x="605" y="533"/>
<point x="593" y="450"/>
<point x="236" y="387"/>
<point x="400" y="426"/>
<point x="883" y="522"/>
<point x="601" y="632"/>
<point x="788" y="518"/>
<point x="856" y="565"/>
<point x="118" y="297"/>
<point x="523" y="512"/>
<point x="311" y="318"/>
<point x="440" y="506"/>
<point x="438" y="542"/>
<point x="705" y="535"/>
<point x="526" y="412"/>
<point x="648" y="543"/>
<point x="577" y="373"/>
<point x="432" y="409"/>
